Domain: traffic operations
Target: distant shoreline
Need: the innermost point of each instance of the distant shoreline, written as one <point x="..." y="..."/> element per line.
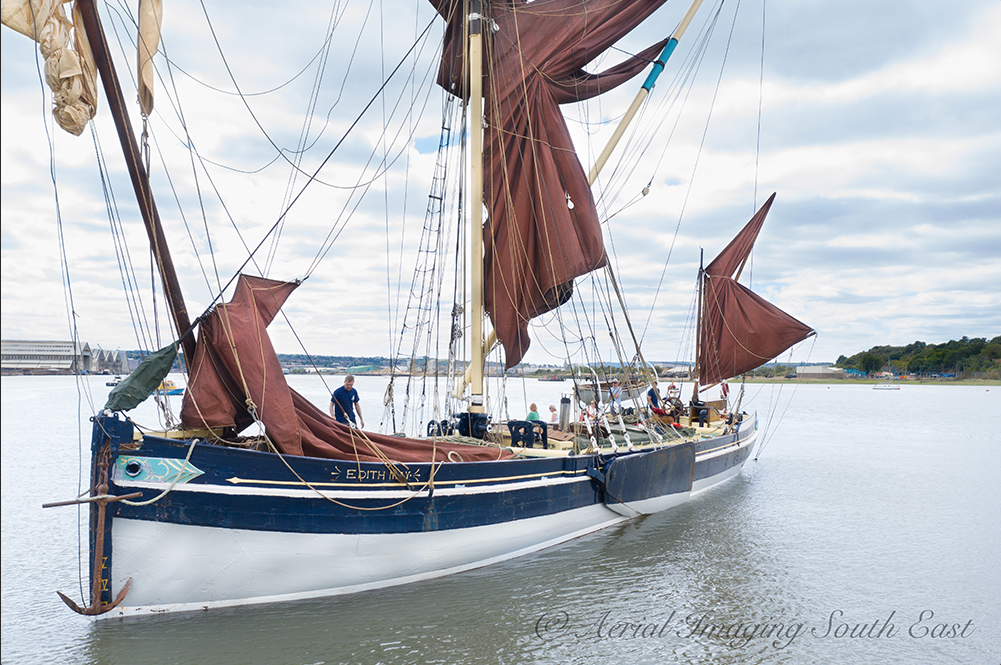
<point x="759" y="380"/>
<point x="873" y="382"/>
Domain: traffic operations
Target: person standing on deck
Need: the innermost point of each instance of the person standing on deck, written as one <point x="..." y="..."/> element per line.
<point x="615" y="397"/>
<point x="345" y="401"/>
<point x="653" y="399"/>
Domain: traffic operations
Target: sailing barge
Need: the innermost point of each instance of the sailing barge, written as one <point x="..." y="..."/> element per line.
<point x="199" y="517"/>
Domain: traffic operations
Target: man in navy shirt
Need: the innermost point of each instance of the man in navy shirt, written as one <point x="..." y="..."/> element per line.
<point x="344" y="401"/>
<point x="653" y="399"/>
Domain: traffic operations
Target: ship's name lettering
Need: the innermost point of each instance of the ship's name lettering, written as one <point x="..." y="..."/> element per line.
<point x="371" y="475"/>
<point x="362" y="475"/>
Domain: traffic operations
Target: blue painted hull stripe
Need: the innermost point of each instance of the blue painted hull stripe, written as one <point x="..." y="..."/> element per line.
<point x="464" y="495"/>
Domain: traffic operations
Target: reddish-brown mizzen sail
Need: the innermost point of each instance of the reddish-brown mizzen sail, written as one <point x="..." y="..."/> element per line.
<point x="740" y="330"/>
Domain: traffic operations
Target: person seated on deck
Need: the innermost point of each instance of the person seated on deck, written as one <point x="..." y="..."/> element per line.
<point x="554" y="416"/>
<point x="533" y="417"/>
<point x="703" y="411"/>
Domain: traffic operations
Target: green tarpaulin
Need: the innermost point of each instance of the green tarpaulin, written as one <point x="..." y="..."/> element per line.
<point x="141" y="383"/>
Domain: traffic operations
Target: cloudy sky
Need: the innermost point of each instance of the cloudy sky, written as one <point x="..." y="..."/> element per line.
<point x="879" y="129"/>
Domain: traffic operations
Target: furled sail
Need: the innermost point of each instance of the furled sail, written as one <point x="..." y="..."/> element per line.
<point x="740" y="329"/>
<point x="69" y="63"/>
<point x="236" y="370"/>
<point x="543" y="229"/>
<point x="150" y="17"/>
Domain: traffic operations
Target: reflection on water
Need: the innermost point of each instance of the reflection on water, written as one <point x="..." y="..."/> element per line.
<point x="864" y="511"/>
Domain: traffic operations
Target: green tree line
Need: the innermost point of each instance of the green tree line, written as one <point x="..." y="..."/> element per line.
<point x="332" y="361"/>
<point x="963" y="357"/>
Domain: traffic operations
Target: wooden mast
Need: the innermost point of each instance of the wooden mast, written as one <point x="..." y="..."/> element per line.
<point x="474" y="373"/>
<point x="477" y="355"/>
<point x="140" y="180"/>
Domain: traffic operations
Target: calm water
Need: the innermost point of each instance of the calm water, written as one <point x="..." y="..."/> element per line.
<point x="866" y="508"/>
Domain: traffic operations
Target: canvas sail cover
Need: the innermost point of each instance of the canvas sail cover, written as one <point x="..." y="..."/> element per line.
<point x="740" y="329"/>
<point x="235" y="368"/>
<point x="535" y="243"/>
<point x="143" y="380"/>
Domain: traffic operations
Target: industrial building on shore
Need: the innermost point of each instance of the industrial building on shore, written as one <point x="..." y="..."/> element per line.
<point x="60" y="357"/>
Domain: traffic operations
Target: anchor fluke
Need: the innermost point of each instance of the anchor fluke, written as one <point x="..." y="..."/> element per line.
<point x="96" y="608"/>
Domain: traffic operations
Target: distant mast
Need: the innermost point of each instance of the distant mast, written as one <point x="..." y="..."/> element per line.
<point x="698" y="325"/>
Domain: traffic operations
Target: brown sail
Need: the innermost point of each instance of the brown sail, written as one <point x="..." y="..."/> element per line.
<point x="235" y="368"/>
<point x="740" y="329"/>
<point x="535" y="242"/>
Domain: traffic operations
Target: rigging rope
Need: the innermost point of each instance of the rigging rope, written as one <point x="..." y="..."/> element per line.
<point x="125" y="10"/>
<point x="277" y="229"/>
<point x="698" y="156"/>
<point x="300" y="151"/>
<point x="422" y="316"/>
<point x="82" y="389"/>
<point x="761" y="91"/>
<point x="312" y="179"/>
<point x="130" y="283"/>
<point x="765" y="438"/>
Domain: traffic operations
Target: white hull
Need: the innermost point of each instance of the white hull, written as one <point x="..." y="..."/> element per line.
<point x="242" y="567"/>
<point x="649" y="506"/>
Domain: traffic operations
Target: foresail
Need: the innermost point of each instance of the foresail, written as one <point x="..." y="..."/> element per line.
<point x="542" y="230"/>
<point x="236" y="376"/>
<point x="740" y="329"/>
